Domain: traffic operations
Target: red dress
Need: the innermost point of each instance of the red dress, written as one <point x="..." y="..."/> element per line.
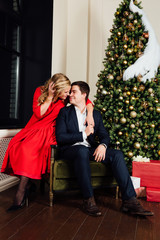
<point x="28" y="153"/>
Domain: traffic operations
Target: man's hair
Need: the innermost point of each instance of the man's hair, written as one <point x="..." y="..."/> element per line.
<point x="83" y="86"/>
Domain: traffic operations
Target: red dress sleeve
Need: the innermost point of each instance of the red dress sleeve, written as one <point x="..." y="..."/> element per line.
<point x="35" y="106"/>
<point x="89" y="101"/>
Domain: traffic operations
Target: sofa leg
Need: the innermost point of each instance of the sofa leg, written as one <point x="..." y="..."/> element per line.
<point x="51" y="198"/>
<point x="117" y="192"/>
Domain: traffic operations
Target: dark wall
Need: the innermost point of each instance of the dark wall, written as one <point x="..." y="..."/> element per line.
<point x="36" y="49"/>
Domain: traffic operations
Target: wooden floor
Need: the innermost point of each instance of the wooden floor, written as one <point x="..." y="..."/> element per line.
<point x="66" y="221"/>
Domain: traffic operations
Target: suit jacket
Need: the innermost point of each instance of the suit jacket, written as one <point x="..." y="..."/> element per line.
<point x="67" y="130"/>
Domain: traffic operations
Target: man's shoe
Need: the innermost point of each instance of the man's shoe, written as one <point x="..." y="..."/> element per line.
<point x="134" y="207"/>
<point x="90" y="207"/>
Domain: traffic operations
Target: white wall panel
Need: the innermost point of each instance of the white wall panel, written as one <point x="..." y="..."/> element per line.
<point x="77" y="40"/>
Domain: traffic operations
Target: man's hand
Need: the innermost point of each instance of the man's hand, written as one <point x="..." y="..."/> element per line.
<point x="100" y="153"/>
<point x="89" y="130"/>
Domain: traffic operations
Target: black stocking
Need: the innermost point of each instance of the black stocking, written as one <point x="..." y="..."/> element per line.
<point x="21" y="190"/>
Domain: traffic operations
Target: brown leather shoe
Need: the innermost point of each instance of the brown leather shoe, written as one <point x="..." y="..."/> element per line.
<point x="134" y="207"/>
<point x="90" y="207"/>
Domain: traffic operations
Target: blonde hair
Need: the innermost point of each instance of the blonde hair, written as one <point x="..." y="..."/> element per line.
<point x="60" y="82"/>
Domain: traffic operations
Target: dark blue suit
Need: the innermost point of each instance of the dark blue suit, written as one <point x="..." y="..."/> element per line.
<point x="67" y="134"/>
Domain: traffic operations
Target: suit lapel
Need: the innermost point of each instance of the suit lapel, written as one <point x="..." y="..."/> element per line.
<point x="74" y="118"/>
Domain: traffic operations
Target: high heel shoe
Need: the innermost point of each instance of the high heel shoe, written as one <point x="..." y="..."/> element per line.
<point x="21" y="205"/>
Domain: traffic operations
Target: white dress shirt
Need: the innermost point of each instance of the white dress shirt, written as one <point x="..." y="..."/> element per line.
<point x="81" y="117"/>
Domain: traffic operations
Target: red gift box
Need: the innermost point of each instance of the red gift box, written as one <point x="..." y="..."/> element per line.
<point x="153" y="194"/>
<point x="149" y="172"/>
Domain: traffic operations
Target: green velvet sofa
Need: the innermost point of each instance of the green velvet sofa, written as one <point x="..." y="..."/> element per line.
<point x="62" y="175"/>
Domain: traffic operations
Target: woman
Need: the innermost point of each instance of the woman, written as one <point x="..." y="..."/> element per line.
<point x="28" y="153"/>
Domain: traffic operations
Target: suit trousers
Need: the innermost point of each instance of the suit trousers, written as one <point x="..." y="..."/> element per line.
<point x="81" y="157"/>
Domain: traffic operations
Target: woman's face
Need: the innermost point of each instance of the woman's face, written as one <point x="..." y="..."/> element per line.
<point x="65" y="93"/>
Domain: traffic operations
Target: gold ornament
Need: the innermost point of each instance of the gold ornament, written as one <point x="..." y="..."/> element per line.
<point x="101" y="86"/>
<point x="139" y="131"/>
<point x="116" y="39"/>
<point x="118" y="34"/>
<point x="153" y="125"/>
<point x="158" y="136"/>
<point x="141" y="87"/>
<point x="150" y="90"/>
<point x="137" y="124"/>
<point x="116" y="55"/>
<point x="119" y="110"/>
<point x="129" y="50"/>
<point x="135" y="21"/>
<point x="117" y="13"/>
<point x="109" y="53"/>
<point x="159" y="152"/>
<point x="152" y="145"/>
<point x="125" y="46"/>
<point x="98" y="90"/>
<point x="120" y="98"/>
<point x="146" y="146"/>
<point x="128" y="93"/>
<point x="110" y="76"/>
<point x="117" y="142"/>
<point x="104" y="92"/>
<point x="151" y="108"/>
<point x="123" y="120"/>
<point x="111" y="30"/>
<point x="133" y="98"/>
<point x="111" y="59"/>
<point x="156" y="101"/>
<point x="137" y="145"/>
<point x="127" y="101"/>
<point x="125" y="62"/>
<point x="126" y="134"/>
<point x="103" y="109"/>
<point x="131" y="107"/>
<point x="133" y="114"/>
<point x="158" y="109"/>
<point x="130" y="154"/>
<point x="132" y="126"/>
<point x="125" y="94"/>
<point x="120" y="133"/>
<point x="134" y="89"/>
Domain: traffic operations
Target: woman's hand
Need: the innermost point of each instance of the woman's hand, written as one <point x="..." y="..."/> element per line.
<point x="89" y="120"/>
<point x="51" y="91"/>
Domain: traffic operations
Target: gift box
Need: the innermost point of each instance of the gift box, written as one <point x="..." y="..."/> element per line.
<point x="149" y="172"/>
<point x="141" y="192"/>
<point x="136" y="182"/>
<point x="153" y="194"/>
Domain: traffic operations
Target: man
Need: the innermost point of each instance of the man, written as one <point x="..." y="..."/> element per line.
<point x="77" y="143"/>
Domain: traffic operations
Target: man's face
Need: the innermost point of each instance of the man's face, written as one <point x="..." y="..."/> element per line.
<point x="76" y="97"/>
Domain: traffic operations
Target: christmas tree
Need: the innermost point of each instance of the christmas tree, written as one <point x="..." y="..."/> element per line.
<point x="128" y="88"/>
